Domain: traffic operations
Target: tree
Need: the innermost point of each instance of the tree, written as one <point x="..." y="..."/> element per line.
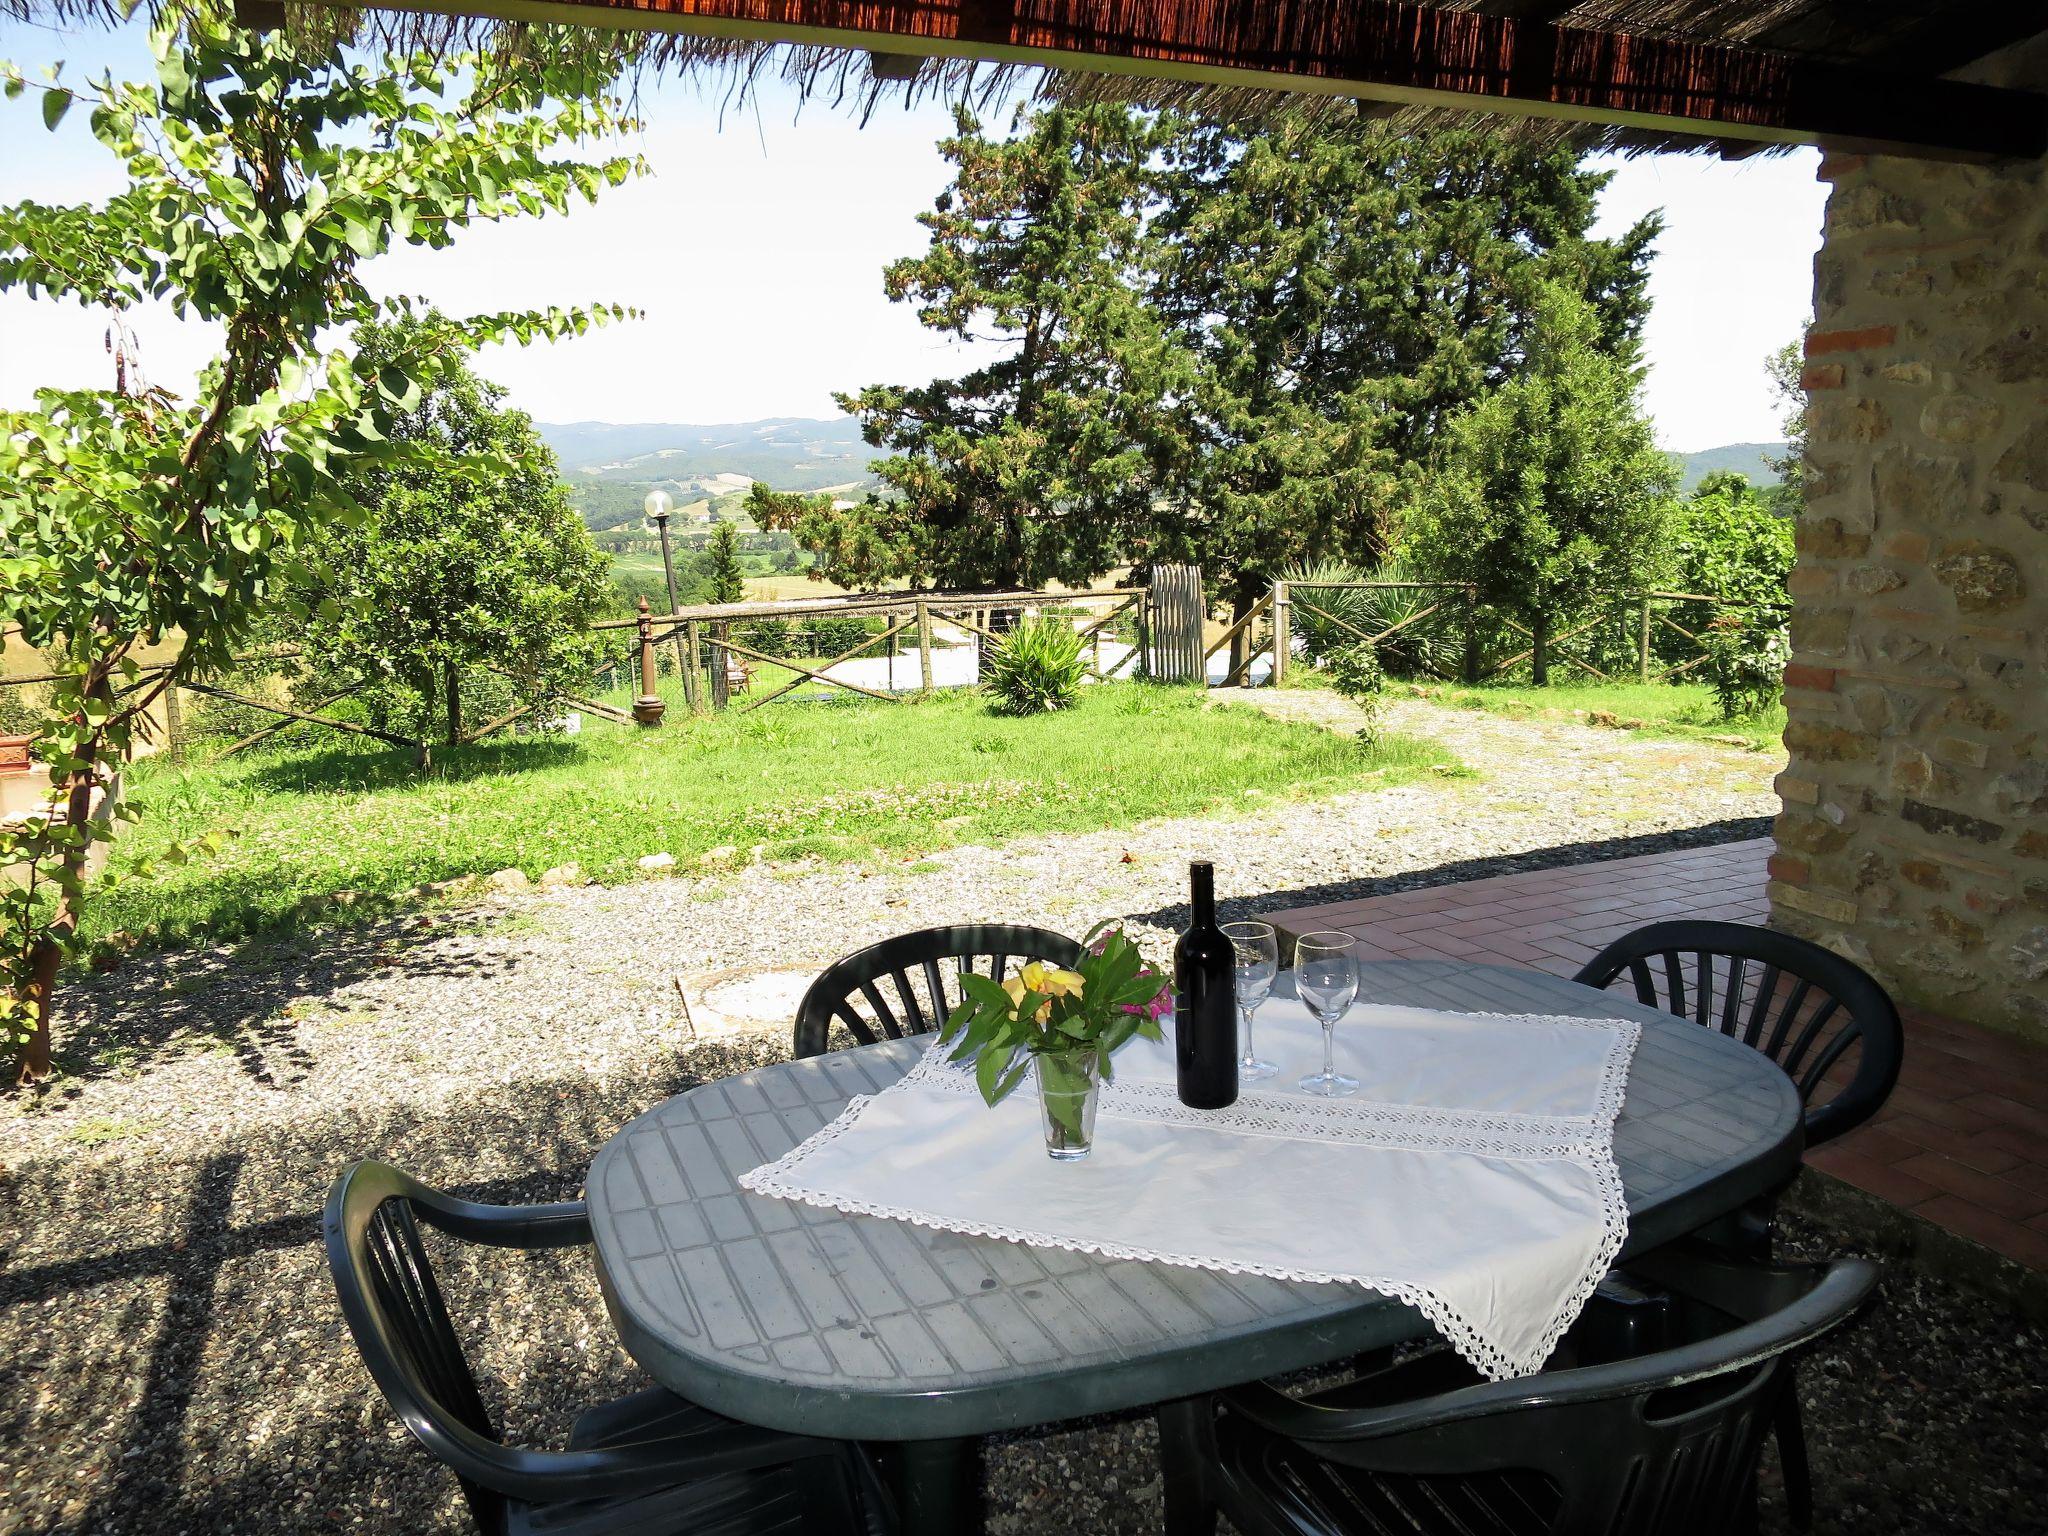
<point x="450" y="571"/>
<point x="1550" y="488"/>
<point x="1728" y="541"/>
<point x="1786" y="369"/>
<point x="726" y="577"/>
<point x="1344" y="291"/>
<point x="1028" y="470"/>
<point x="261" y="172"/>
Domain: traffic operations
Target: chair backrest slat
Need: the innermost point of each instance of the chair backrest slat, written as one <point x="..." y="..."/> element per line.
<point x="937" y="985"/>
<point x="985" y="948"/>
<point x="1674" y="982"/>
<point x="1760" y="1006"/>
<point x="1787" y="1015"/>
<point x="891" y="1026"/>
<point x="1847" y="1001"/>
<point x="1795" y="1053"/>
<point x="1731" y="1000"/>
<point x="913" y="1006"/>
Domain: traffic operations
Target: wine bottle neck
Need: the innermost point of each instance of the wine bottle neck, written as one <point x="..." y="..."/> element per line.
<point x="1202" y="878"/>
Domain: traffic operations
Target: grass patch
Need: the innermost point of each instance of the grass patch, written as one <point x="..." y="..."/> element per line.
<point x="100" y="1131"/>
<point x="1659" y="709"/>
<point x="818" y="780"/>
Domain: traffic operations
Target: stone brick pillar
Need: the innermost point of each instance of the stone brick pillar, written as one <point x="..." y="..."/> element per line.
<point x="1914" y="836"/>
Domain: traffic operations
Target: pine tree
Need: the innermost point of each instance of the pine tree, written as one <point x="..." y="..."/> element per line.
<point x="1028" y="470"/>
<point x="1343" y="291"/>
<point x="726" y="578"/>
<point x="1551" y="489"/>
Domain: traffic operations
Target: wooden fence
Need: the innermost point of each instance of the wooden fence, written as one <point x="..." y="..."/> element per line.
<point x="711" y="657"/>
<point x="1459" y="610"/>
<point x="717" y="654"/>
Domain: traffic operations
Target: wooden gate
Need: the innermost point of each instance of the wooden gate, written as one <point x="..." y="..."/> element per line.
<point x="1175" y="635"/>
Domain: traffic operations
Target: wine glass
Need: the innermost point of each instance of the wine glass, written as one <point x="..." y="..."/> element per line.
<point x="1326" y="980"/>
<point x="1257" y="952"/>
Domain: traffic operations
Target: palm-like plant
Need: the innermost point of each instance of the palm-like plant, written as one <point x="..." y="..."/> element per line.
<point x="1035" y="669"/>
<point x="1420" y="647"/>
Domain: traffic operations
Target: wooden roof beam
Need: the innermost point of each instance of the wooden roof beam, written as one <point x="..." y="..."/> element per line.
<point x="1382" y="50"/>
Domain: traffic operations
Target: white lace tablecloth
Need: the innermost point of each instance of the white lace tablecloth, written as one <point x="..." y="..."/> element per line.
<point x="1472" y="1177"/>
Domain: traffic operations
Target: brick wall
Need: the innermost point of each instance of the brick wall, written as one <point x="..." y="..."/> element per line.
<point x="1914" y="835"/>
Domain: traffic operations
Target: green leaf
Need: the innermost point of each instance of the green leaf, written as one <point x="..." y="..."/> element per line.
<point x="55" y="105"/>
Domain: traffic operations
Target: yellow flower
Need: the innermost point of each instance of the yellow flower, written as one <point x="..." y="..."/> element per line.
<point x="1014" y="988"/>
<point x="1051" y="981"/>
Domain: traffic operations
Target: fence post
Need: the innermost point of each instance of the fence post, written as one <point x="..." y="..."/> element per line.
<point x="721" y="659"/>
<point x="692" y="651"/>
<point x="648" y="708"/>
<point x="924" y="645"/>
<point x="1283" y="632"/>
<point x="1643" y="653"/>
<point x="1471" y="635"/>
<point x="174" y="725"/>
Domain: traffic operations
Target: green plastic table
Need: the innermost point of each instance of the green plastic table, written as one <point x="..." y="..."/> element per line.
<point x="854" y="1327"/>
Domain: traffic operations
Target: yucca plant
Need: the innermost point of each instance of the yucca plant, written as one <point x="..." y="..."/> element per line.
<point x="1431" y="647"/>
<point x="1035" y="669"/>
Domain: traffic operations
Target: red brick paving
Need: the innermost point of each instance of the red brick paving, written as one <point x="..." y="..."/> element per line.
<point x="1963" y="1141"/>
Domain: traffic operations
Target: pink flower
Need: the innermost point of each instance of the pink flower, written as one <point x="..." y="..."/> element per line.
<point x="1162" y="1001"/>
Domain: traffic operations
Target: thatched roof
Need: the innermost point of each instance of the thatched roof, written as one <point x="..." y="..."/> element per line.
<point x="1739" y="75"/>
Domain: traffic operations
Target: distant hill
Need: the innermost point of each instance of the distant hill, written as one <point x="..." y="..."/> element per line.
<point x="790" y="453"/>
<point x="1744" y="458"/>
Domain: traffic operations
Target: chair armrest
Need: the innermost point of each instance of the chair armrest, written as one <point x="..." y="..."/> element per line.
<point x="561" y="1224"/>
<point x="615" y="1470"/>
<point x="1842" y="1289"/>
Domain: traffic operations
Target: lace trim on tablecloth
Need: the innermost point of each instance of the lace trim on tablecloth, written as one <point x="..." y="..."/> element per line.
<point x="777" y="1180"/>
<point x="1530" y="1136"/>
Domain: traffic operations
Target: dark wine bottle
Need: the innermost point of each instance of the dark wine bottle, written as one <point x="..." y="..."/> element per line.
<point x="1205" y="1002"/>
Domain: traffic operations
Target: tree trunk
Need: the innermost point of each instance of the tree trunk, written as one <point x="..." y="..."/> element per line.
<point x="48" y="954"/>
<point x="1539" y="660"/>
<point x="452" y="677"/>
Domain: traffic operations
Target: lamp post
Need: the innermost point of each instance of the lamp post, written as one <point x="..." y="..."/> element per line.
<point x="658" y="505"/>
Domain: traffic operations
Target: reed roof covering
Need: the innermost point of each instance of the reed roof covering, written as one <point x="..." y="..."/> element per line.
<point x="1737" y="75"/>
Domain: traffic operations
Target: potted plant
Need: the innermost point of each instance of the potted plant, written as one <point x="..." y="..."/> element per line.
<point x="1063" y="1024"/>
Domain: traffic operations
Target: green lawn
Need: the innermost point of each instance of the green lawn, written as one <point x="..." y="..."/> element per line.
<point x="836" y="780"/>
<point x="1668" y="709"/>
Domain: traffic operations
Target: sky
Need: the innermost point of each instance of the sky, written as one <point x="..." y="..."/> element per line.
<point x="755" y="250"/>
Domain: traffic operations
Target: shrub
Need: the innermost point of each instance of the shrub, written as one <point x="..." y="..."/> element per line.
<point x="1745" y="665"/>
<point x="1355" y="672"/>
<point x="1430" y="647"/>
<point x="1036" y="668"/>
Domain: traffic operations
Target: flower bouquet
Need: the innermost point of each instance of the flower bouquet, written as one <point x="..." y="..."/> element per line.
<point x="1065" y="1024"/>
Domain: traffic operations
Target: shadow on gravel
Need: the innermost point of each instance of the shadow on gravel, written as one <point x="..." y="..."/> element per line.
<point x="171" y="1358"/>
<point x="172" y="1361"/>
<point x="1735" y="830"/>
<point x="236" y="1000"/>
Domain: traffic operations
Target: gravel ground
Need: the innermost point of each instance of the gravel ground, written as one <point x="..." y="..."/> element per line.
<point x="170" y="1359"/>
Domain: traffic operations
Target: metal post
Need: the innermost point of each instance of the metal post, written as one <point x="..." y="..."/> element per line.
<point x="693" y="647"/>
<point x="1643" y="656"/>
<point x="1471" y="636"/>
<point x="648" y="708"/>
<point x="1283" y="637"/>
<point x="924" y="644"/>
<point x="668" y="572"/>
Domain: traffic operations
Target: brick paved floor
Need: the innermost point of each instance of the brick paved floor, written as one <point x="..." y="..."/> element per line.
<point x="1963" y="1141"/>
